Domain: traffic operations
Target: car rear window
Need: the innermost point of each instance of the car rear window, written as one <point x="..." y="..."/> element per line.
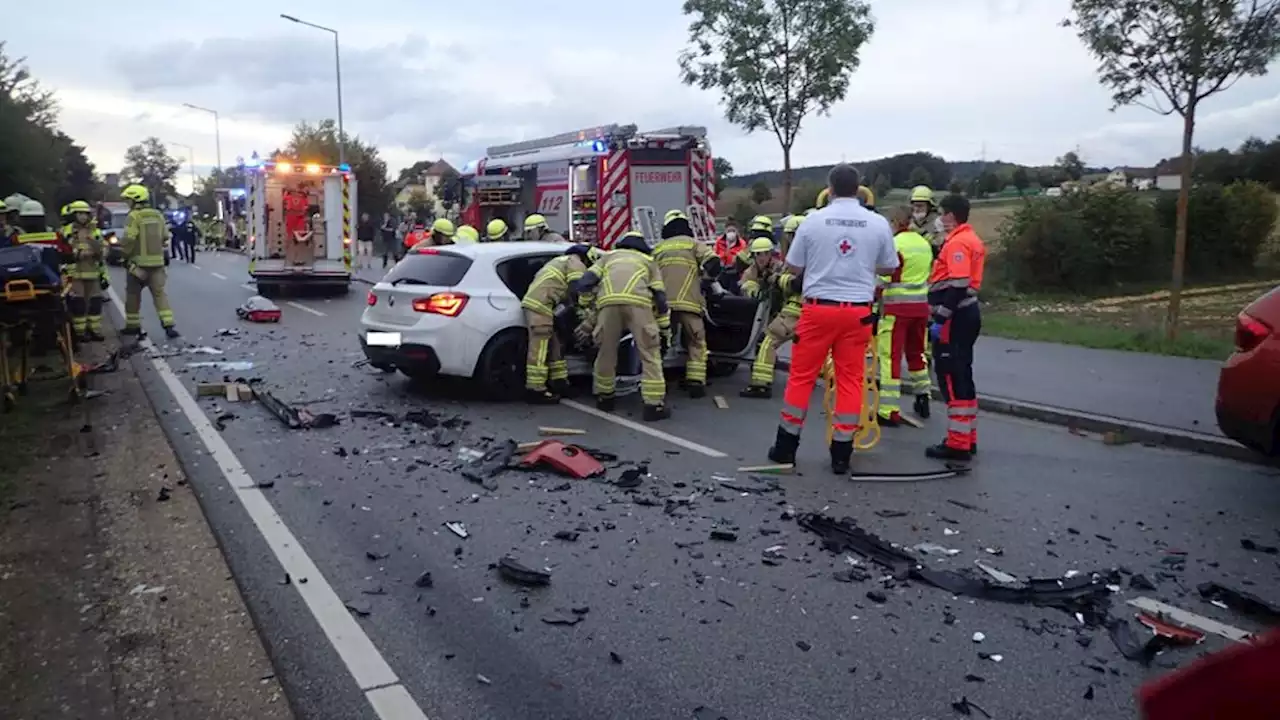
<point x="437" y="268"/>
<point x="517" y="273"/>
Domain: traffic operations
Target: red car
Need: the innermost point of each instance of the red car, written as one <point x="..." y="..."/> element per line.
<point x="1248" y="404"/>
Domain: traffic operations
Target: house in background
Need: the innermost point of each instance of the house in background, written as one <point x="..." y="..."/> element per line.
<point x="426" y="183"/>
<point x="1169" y="175"/>
<point x="1117" y="178"/>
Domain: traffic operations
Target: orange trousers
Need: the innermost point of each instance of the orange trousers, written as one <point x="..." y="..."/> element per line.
<point x="843" y="331"/>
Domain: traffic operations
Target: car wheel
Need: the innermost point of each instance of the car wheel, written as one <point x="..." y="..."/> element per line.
<point x="500" y="371"/>
<point x="721" y="368"/>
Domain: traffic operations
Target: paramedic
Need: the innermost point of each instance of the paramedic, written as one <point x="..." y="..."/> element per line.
<point x="729" y="245"/>
<point x="145" y="235"/>
<point x="924" y="216"/>
<point x="546" y="374"/>
<point x="536" y="228"/>
<point x="954" y="326"/>
<point x="88" y="272"/>
<point x="905" y="322"/>
<point x="683" y="261"/>
<point x="628" y="288"/>
<point x="765" y="280"/>
<point x="496" y="230"/>
<point x="837" y="253"/>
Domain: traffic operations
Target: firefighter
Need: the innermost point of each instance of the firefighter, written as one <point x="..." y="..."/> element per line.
<point x="64" y="215"/>
<point x="536" y="228"/>
<point x="628" y="288"/>
<point x="954" y="326"/>
<point x="789" y="227"/>
<point x="466" y="235"/>
<point x="88" y="272"/>
<point x="546" y="374"/>
<point x="496" y="230"/>
<point x="145" y="236"/>
<point x="904" y="323"/>
<point x="442" y="232"/>
<point x="683" y="261"/>
<point x="924" y="216"/>
<point x="837" y="253"/>
<point x="867" y="198"/>
<point x="765" y="280"/>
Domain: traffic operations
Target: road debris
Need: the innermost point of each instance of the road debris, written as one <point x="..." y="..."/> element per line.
<point x="892" y="513"/>
<point x="566" y="535"/>
<point x="889" y="477"/>
<point x="966" y="707"/>
<point x="724" y="535"/>
<point x="259" y="310"/>
<point x="458" y="529"/>
<point x="567" y="460"/>
<point x="560" y="617"/>
<point x="966" y="506"/>
<point x="293" y="418"/>
<point x="1240" y="601"/>
<point x="223" y="365"/>
<point x="514" y="571"/>
<point x="483" y="469"/>
<point x="424" y="580"/>
<point x="1250" y="545"/>
<point x="751" y="486"/>
<point x="928" y="548"/>
<point x="1174" y="633"/>
<point x="632" y="478"/>
<point x="784" y="469"/>
<point x="226" y="332"/>
<point x="164" y="494"/>
<point x="359" y="608"/>
<point x="720" y="402"/>
<point x="547" y="431"/>
<point x="979" y="637"/>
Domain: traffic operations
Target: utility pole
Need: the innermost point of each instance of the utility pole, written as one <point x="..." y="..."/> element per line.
<point x="337" y="62"/>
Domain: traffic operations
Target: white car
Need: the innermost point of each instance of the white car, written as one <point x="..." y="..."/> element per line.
<point x="455" y="311"/>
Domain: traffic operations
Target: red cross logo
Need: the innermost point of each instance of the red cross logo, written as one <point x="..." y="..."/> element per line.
<point x="845" y="247"/>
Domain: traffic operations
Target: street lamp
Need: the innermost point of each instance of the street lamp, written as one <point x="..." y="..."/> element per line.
<point x="337" y="61"/>
<point x="191" y="156"/>
<point x="217" y="132"/>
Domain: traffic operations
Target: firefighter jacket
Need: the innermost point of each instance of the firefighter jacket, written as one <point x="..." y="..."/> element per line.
<point x="783" y="293"/>
<point x="929" y="227"/>
<point x="88" y="251"/>
<point x="627" y="277"/>
<point x="681" y="261"/>
<point x="550" y="286"/>
<point x="906" y="291"/>
<point x="145" y="235"/>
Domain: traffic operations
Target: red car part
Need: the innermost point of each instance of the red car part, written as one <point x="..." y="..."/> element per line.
<point x="564" y="459"/>
<point x="1238" y="683"/>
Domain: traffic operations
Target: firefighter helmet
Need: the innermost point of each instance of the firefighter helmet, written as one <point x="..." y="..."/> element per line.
<point x="496" y="229"/>
<point x="467" y="235"/>
<point x="79" y="206"/>
<point x="535" y="222"/>
<point x="824" y="198"/>
<point x="761" y="245"/>
<point x="674" y="215"/>
<point x="443" y="226"/>
<point x="922" y="193"/>
<point x="762" y="222"/>
<point x="136" y="193"/>
<point x="792" y="224"/>
<point x="31" y="208"/>
<point x="867" y="197"/>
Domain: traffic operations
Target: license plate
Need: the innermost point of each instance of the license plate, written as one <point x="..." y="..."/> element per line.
<point x="383" y="339"/>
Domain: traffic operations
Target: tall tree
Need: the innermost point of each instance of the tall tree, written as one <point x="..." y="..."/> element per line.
<point x="319" y="144"/>
<point x="919" y="176"/>
<point x="1168" y="56"/>
<point x="449" y="188"/>
<point x="760" y="193"/>
<point x="150" y="164"/>
<point x="1071" y="165"/>
<point x="881" y="187"/>
<point x="723" y="170"/>
<point x="1021" y="180"/>
<point x="774" y="62"/>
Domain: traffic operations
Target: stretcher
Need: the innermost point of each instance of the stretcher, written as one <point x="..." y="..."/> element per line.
<point x="33" y="320"/>
<point x="868" y="435"/>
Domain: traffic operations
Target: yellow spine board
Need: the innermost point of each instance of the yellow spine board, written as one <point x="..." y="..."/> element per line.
<point x="868" y="434"/>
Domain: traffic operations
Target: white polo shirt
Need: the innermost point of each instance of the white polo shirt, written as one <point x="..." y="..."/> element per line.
<point x="840" y="247"/>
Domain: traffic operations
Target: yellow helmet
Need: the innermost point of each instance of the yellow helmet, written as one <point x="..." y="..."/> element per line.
<point x="136" y="193"/>
<point x="761" y="245"/>
<point x="824" y="198"/>
<point x="443" y="226"/>
<point x="466" y="235"/>
<point x="762" y="222"/>
<point x="792" y="224"/>
<point x="922" y="193"/>
<point x="79" y="206"/>
<point x="867" y="197"/>
<point x="534" y="222"/>
<point x="3" y="207"/>
<point x="674" y="215"/>
<point x="496" y="229"/>
<point x="65" y="211"/>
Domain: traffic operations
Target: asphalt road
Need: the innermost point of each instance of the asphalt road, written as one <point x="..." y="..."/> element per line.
<point x="669" y="620"/>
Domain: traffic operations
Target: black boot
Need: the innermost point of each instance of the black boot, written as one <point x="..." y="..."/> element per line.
<point x="973" y="448"/>
<point x="540" y="397"/>
<point x="841" y="456"/>
<point x="784" y="448"/>
<point x="922" y="406"/>
<point x="560" y="387"/>
<point x="654" y="413"/>
<point x="605" y="403"/>
<point x="93" y="336"/>
<point x="696" y="390"/>
<point x="943" y="451"/>
<point x="762" y="392"/>
<point x="131" y="331"/>
<point x="172" y="333"/>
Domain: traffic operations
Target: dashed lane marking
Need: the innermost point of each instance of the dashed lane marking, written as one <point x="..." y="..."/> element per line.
<point x="1190" y="619"/>
<point x="196" y="266"/>
<point x="247" y="286"/>
<point x="382" y="689"/>
<point x="644" y="429"/>
<point x="304" y="308"/>
<point x="220" y="276"/>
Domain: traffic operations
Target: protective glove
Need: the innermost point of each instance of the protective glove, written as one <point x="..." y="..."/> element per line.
<point x="104" y="283"/>
<point x="935" y="331"/>
<point x="583" y="334"/>
<point x="664" y="337"/>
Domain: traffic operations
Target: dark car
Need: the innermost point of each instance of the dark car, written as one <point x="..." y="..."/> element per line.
<point x="1248" y="403"/>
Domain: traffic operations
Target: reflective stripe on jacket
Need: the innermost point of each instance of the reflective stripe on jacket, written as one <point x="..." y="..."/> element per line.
<point x="680" y="260"/>
<point x="627" y="277"/>
<point x="550" y="285"/>
<point x="87" y="246"/>
<point x="906" y="292"/>
<point x="145" y="235"/>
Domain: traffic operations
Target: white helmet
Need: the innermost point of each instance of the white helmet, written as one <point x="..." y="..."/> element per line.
<point x="14" y="201"/>
<point x="31" y="208"/>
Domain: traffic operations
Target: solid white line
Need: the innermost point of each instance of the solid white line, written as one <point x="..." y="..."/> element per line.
<point x="220" y="276"/>
<point x="300" y="306"/>
<point x="363" y="660"/>
<point x="686" y="444"/>
<point x="1190" y="619"/>
<point x="196" y="266"/>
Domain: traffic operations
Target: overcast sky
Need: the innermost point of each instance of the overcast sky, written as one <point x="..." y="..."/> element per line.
<point x="429" y="79"/>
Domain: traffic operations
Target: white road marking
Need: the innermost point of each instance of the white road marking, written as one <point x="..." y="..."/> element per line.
<point x="630" y="425"/>
<point x="220" y="276"/>
<point x="196" y="266"/>
<point x="247" y="286"/>
<point x="1190" y="619"/>
<point x="304" y="308"/>
<point x="382" y="688"/>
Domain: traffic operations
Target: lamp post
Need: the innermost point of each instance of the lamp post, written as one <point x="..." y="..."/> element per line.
<point x="337" y="62"/>
<point x="217" y="132"/>
<point x="191" y="157"/>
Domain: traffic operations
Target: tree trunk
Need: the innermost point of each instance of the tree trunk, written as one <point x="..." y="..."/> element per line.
<point x="786" y="180"/>
<point x="1180" y="233"/>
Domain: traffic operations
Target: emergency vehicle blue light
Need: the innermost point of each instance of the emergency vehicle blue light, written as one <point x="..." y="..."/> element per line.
<point x="344" y="167"/>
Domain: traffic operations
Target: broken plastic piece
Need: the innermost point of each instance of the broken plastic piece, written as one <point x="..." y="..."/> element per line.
<point x="517" y="572"/>
<point x="560" y="431"/>
<point x="424" y="580"/>
<point x="293" y="418"/>
<point x="259" y="309"/>
<point x="565" y="459"/>
<point x="724" y="535"/>
<point x="1176" y="634"/>
<point x="457" y="528"/>
<point x="482" y="470"/>
<point x="772" y="469"/>
<point x="1244" y="602"/>
<point x="950" y="472"/>
<point x="559" y="617"/>
<point x="965" y="707"/>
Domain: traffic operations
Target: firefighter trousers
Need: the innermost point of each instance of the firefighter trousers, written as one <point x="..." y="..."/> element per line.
<point x="694" y="333"/>
<point x="84" y="302"/>
<point x="152" y="279"/>
<point x="545" y="360"/>
<point x="842" y="330"/>
<point x="901" y="339"/>
<point x="953" y="362"/>
<point x="780" y="332"/>
<point x="611" y="321"/>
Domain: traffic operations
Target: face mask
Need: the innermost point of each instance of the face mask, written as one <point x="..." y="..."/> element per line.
<point x="731" y="235"/>
<point x="918" y="214"/>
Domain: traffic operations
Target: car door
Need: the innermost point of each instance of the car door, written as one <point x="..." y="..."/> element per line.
<point x="734" y="325"/>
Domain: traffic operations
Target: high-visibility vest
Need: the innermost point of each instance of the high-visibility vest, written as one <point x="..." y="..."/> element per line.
<point x="145" y="235"/>
<point x="912" y="283"/>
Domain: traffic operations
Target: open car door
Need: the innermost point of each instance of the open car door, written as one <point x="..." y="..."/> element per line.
<point x="734" y="325"/>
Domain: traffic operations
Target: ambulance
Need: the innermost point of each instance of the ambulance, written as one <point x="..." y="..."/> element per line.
<point x="299" y="225"/>
<point x="594" y="185"/>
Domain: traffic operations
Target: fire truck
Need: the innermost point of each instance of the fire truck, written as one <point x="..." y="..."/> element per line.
<point x="593" y="185"/>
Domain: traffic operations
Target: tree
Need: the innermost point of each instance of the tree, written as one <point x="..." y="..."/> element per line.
<point x="774" y="62"/>
<point x="723" y="170"/>
<point x="421" y="203"/>
<point x="1021" y="180"/>
<point x="79" y="181"/>
<point x="955" y="188"/>
<point x="1168" y="56"/>
<point x="990" y="182"/>
<point x="449" y="188"/>
<point x="919" y="176"/>
<point x="743" y="211"/>
<point x="881" y="186"/>
<point x="149" y="164"/>
<point x="1071" y="165"/>
<point x="319" y="144"/>
<point x="760" y="193"/>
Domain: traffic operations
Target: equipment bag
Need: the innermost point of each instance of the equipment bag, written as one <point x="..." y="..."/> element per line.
<point x="35" y="262"/>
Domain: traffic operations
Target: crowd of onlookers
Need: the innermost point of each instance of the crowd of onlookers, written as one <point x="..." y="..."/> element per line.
<point x="385" y="238"/>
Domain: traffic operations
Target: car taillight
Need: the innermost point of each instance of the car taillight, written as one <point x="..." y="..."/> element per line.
<point x="371" y="300"/>
<point x="1250" y="332"/>
<point x="426" y="251"/>
<point x="448" y="304"/>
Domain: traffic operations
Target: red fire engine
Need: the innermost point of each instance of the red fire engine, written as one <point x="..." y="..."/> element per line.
<point x="594" y="185"/>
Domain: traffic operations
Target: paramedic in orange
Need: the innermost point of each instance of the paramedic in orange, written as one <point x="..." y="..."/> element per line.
<point x="905" y="323"/>
<point x="954" y="326"/>
<point x="837" y="254"/>
<point x="729" y="244"/>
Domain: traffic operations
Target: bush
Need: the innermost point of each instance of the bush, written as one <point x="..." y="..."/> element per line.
<point x="1081" y="241"/>
<point x="1226" y="227"/>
